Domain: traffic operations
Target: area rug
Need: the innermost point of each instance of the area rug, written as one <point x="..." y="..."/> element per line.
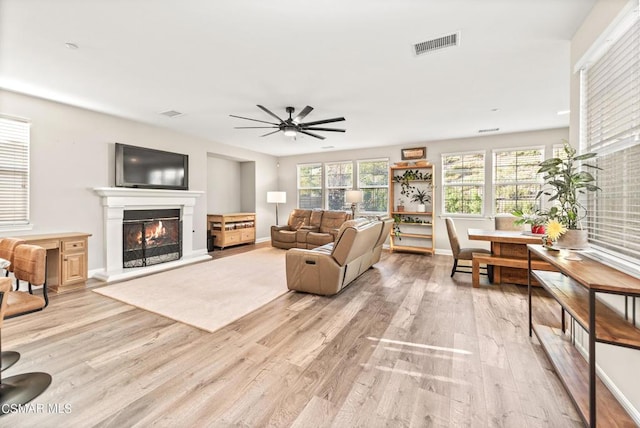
<point x="208" y="295"/>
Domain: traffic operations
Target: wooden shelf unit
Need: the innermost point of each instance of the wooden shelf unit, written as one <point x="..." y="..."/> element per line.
<point x="421" y="236"/>
<point x="575" y="287"/>
<point x="232" y="229"/>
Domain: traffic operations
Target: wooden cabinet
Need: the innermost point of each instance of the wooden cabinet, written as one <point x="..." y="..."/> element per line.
<point x="232" y="229"/>
<point x="413" y="229"/>
<point x="575" y="288"/>
<point x="67" y="259"/>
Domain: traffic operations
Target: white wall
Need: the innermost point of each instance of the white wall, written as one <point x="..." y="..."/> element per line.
<point x="618" y="364"/>
<point x="72" y="151"/>
<point x="546" y="138"/>
<point x="224" y="188"/>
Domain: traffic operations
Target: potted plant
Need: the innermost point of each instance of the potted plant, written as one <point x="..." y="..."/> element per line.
<point x="397" y="219"/>
<point x="400" y="206"/>
<point x="421" y="197"/>
<point x="537" y="220"/>
<point x="565" y="182"/>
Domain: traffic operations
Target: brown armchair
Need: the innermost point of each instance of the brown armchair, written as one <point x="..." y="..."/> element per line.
<point x="285" y="236"/>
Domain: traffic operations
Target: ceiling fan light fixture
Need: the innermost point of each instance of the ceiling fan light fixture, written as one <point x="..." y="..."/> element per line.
<point x="290" y="131"/>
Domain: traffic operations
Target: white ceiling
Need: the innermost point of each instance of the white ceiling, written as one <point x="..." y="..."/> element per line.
<point x="351" y="58"/>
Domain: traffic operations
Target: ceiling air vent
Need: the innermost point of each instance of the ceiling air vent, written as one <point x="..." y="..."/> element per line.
<point x="447" y="41"/>
<point x="171" y="113"/>
<point x="488" y="130"/>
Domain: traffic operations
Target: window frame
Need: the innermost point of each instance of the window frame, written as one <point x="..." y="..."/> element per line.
<point x="385" y="186"/>
<point x="327" y="190"/>
<point x="539" y="180"/>
<point x="300" y="188"/>
<point x="481" y="185"/>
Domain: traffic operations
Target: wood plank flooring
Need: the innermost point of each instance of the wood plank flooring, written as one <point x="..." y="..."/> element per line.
<point x="404" y="345"/>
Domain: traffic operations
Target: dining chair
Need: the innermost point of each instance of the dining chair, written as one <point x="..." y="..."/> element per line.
<point x="19" y="389"/>
<point x="463" y="253"/>
<point x="30" y="263"/>
<point x="7" y="249"/>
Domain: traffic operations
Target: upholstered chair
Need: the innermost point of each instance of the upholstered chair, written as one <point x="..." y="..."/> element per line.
<point x="462" y="253"/>
<point x="30" y="262"/>
<point x="19" y="389"/>
<point x="285" y="236"/>
<point x="7" y="247"/>
<point x="506" y="222"/>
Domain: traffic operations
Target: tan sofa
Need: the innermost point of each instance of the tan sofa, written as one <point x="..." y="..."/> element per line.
<point x="328" y="269"/>
<point x="308" y="229"/>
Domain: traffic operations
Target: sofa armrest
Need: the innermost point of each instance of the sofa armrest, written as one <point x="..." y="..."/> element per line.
<point x="313" y="272"/>
<point x="279" y="228"/>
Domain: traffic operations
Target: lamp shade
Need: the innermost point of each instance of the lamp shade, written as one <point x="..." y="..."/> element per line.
<point x="276" y="197"/>
<point x="353" y="196"/>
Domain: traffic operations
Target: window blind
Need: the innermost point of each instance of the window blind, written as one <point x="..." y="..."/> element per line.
<point x="14" y="172"/>
<point x="611" y="114"/>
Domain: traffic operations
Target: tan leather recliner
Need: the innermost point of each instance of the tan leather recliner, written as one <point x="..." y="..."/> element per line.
<point x="285" y="236"/>
<point x="328" y="269"/>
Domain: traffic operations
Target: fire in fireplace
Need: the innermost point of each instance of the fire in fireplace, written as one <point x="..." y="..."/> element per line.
<point x="151" y="237"/>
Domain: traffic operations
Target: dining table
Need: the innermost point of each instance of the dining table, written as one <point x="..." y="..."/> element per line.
<point x="507" y="244"/>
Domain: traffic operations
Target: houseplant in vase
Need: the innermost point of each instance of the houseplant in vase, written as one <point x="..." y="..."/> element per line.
<point x="565" y="184"/>
<point x="400" y="206"/>
<point x="537" y="220"/>
<point x="421" y="197"/>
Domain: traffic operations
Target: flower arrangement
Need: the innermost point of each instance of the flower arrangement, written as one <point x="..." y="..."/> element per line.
<point x="554" y="229"/>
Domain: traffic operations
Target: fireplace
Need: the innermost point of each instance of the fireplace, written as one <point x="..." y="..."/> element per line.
<point x="117" y="200"/>
<point x="151" y="237"/>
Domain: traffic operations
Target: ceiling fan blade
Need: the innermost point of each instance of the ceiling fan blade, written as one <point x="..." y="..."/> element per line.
<point x="266" y="110"/>
<point x="255" y="127"/>
<point x="313" y="128"/>
<point x="305" y="111"/>
<point x="320" y="122"/>
<point x="269" y="133"/>
<point x="255" y="120"/>
<point x="302" y="131"/>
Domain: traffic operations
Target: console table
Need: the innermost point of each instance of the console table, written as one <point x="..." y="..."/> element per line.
<point x="67" y="261"/>
<point x="575" y="287"/>
<point x="232" y="229"/>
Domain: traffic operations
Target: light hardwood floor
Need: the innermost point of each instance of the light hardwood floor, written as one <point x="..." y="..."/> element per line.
<point x="404" y="345"/>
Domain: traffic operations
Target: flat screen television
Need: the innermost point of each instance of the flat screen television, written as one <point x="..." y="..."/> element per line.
<point x="151" y="169"/>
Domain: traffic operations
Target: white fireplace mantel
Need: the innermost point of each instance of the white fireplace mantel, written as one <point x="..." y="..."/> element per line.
<point x="116" y="200"/>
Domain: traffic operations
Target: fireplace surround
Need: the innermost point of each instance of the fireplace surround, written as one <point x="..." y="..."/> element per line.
<point x="117" y="200"/>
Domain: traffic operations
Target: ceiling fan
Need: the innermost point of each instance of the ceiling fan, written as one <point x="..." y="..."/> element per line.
<point x="292" y="126"/>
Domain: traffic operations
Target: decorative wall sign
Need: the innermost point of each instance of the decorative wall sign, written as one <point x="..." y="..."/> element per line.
<point x="414" y="153"/>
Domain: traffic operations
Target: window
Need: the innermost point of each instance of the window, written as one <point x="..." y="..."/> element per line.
<point x="339" y="176"/>
<point x="463" y="183"/>
<point x="515" y="179"/>
<point x="611" y="127"/>
<point x="310" y="186"/>
<point x="14" y="172"/>
<point x="373" y="181"/>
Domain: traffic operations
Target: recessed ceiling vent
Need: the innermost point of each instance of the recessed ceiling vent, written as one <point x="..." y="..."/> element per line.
<point x="488" y="130"/>
<point x="171" y="113"/>
<point x="448" y="41"/>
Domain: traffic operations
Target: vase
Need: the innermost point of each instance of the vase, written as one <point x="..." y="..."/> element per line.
<point x="422" y="208"/>
<point x="573" y="239"/>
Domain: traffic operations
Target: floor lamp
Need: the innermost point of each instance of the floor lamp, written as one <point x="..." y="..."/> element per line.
<point x="354" y="197"/>
<point x="276" y="198"/>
